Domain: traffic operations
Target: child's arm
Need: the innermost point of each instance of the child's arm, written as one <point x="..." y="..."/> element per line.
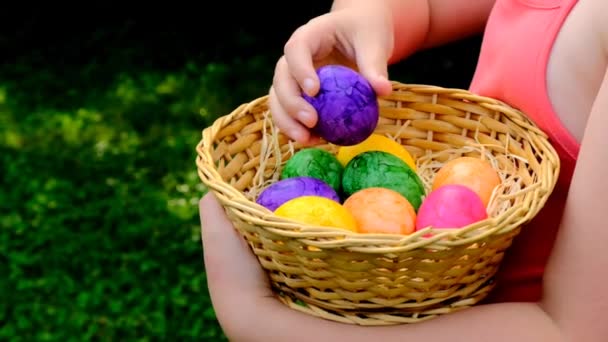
<point x="573" y="308"/>
<point x="420" y="24"/>
<point x="577" y="275"/>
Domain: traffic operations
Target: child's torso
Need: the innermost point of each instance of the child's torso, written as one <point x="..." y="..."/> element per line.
<point x="544" y="57"/>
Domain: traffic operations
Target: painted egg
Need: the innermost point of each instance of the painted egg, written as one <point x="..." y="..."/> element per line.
<point x="315" y="163"/>
<point x="376" y="142"/>
<point x="346" y="104"/>
<point x="450" y="206"/>
<point x="320" y="211"/>
<point x="475" y="173"/>
<point x="286" y="189"/>
<point x="382" y="170"/>
<point x="381" y="210"/>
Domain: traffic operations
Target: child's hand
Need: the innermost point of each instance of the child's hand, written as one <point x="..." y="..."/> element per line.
<point x="360" y="36"/>
<point x="236" y="281"/>
<point x="244" y="303"/>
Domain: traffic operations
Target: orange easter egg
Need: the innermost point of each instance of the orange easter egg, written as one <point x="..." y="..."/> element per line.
<point x="474" y="173"/>
<point x="381" y="210"/>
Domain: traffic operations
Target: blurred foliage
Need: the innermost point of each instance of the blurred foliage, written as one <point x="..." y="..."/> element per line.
<point x="99" y="227"/>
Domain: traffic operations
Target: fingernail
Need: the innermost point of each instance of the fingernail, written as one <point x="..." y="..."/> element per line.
<point x="381" y="78"/>
<point x="305" y="117"/>
<point x="308" y="84"/>
<point x="297" y="136"/>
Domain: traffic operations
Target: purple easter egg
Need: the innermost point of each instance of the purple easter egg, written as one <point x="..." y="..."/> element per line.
<point x="286" y="189"/>
<point x="346" y="105"/>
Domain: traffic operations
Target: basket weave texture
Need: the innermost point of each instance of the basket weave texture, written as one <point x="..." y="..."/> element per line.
<point x="384" y="279"/>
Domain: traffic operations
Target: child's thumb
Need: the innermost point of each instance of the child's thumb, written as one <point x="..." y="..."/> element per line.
<point x="372" y="57"/>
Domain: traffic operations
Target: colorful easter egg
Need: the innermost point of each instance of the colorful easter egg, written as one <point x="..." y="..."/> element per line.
<point x="383" y="170"/>
<point x="450" y="206"/>
<point x="381" y="210"/>
<point x="286" y="189"/>
<point x="319" y="211"/>
<point x="315" y="163"/>
<point x="475" y="173"/>
<point x="376" y="142"/>
<point x="346" y="105"/>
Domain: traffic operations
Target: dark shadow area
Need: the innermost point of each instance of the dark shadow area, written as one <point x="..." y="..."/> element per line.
<point x="122" y="37"/>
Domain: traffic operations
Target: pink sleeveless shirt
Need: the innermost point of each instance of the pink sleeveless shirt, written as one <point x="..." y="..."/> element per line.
<point x="512" y="67"/>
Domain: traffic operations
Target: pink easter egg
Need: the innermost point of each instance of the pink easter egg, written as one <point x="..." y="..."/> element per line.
<point x="450" y="206"/>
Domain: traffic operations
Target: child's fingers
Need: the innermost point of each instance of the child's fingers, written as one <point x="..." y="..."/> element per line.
<point x="286" y="124"/>
<point x="309" y="42"/>
<point x="289" y="95"/>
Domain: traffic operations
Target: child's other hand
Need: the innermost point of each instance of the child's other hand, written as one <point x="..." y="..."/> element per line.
<point x="359" y="36"/>
<point x="236" y="281"/>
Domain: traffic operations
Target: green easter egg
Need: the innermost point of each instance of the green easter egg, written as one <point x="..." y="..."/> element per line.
<point x="315" y="163"/>
<point x="384" y="170"/>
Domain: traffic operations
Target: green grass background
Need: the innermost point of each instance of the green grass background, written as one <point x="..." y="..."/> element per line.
<point x="100" y="112"/>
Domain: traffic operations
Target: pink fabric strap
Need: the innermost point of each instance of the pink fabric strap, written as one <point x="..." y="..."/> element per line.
<point x="512" y="67"/>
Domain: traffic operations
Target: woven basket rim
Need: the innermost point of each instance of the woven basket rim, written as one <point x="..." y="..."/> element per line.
<point x="324" y="237"/>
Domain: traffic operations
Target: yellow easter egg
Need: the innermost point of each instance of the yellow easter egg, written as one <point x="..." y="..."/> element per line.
<point x="376" y="142"/>
<point x="319" y="211"/>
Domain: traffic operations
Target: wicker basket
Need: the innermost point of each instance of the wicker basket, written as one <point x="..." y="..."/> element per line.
<point x="384" y="279"/>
